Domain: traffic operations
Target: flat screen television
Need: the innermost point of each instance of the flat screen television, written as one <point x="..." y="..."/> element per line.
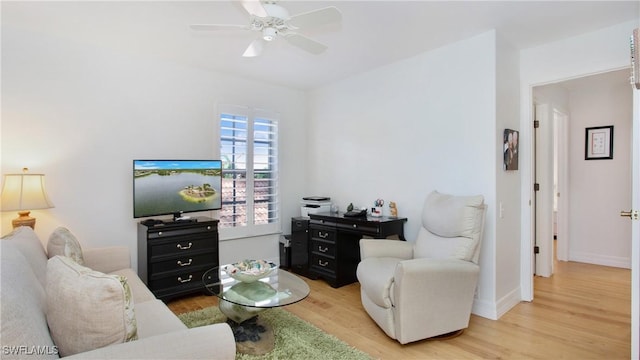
<point x="163" y="187"/>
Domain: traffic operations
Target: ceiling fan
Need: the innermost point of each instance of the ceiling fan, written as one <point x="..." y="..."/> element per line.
<point x="273" y="21"/>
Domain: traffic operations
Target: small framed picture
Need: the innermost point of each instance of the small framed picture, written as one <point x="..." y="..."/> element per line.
<point x="510" y="149"/>
<point x="598" y="143"/>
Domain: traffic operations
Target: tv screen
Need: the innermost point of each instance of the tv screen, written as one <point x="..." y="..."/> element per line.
<point x="162" y="187"/>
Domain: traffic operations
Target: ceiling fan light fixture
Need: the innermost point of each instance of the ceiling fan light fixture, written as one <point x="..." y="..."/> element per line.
<point x="269" y="33"/>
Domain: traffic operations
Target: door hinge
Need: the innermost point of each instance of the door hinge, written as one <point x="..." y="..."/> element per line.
<point x="536" y="249"/>
<point x="536" y="187"/>
<point x="631" y="214"/>
<point x="536" y="124"/>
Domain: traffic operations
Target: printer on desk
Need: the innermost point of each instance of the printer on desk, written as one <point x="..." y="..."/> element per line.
<point x="315" y="204"/>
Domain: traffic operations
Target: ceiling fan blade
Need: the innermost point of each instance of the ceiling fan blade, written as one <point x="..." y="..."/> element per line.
<point x="317" y="17"/>
<point x="254" y="49"/>
<point x="254" y="7"/>
<point x="305" y="43"/>
<point x="212" y="27"/>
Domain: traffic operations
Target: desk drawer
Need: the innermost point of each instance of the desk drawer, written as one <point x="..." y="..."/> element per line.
<point x="323" y="263"/>
<point x="366" y="228"/>
<point x="323" y="234"/>
<point x="325" y="248"/>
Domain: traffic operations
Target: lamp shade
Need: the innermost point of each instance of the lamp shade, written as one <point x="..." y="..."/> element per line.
<point x="24" y="192"/>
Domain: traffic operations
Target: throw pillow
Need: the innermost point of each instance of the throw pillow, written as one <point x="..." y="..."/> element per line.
<point x="63" y="242"/>
<point x="87" y="309"/>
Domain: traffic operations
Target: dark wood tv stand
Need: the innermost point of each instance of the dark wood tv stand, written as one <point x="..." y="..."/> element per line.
<point x="334" y="243"/>
<point x="173" y="256"/>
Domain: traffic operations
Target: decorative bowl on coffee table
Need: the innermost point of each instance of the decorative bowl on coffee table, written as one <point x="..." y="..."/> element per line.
<point x="249" y="271"/>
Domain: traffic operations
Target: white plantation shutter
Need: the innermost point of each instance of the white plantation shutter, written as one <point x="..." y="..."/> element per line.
<point x="265" y="167"/>
<point x="249" y="154"/>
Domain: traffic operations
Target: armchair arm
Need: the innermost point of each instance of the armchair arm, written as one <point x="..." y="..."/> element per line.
<point x="107" y="259"/>
<point x="385" y="248"/>
<point x="438" y="291"/>
<point x="206" y="342"/>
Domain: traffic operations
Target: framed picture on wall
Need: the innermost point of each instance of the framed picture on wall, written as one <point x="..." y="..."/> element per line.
<point x="598" y="143"/>
<point x="510" y="149"/>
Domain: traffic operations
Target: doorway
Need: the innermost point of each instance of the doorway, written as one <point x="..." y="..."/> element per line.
<point x="582" y="191"/>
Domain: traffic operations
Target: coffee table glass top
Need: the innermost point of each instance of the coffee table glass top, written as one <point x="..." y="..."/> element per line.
<point x="280" y="288"/>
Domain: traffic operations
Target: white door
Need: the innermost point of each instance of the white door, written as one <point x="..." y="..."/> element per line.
<point x="543" y="197"/>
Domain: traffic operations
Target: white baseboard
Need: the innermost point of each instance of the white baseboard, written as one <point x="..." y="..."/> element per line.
<point x="493" y="311"/>
<point x="508" y="301"/>
<point x="597" y="259"/>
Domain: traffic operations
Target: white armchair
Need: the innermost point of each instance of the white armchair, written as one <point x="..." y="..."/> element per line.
<point x="419" y="290"/>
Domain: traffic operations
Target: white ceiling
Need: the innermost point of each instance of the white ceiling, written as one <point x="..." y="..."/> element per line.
<point x="372" y="33"/>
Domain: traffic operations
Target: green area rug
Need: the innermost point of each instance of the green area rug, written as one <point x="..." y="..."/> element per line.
<point x="295" y="338"/>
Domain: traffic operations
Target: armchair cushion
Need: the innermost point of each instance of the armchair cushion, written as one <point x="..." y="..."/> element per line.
<point x="452" y="227"/>
<point x="432" y="246"/>
<point x="385" y="248"/>
<point x="451" y="216"/>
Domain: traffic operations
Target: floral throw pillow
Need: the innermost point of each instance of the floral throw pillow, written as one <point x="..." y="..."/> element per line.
<point x="63" y="242"/>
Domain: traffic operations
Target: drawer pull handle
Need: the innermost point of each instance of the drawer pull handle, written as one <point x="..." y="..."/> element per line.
<point x="323" y="264"/>
<point x="323" y="250"/>
<point x="185" y="280"/>
<point x="355" y="225"/>
<point x="185" y="264"/>
<point x="320" y="233"/>
<point x="179" y="246"/>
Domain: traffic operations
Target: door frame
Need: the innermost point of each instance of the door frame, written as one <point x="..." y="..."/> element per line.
<point x="561" y="131"/>
<point x="635" y="228"/>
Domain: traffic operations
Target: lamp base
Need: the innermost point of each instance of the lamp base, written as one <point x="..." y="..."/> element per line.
<point x="24" y="220"/>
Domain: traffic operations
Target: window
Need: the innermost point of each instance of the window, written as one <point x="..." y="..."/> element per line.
<point x="249" y="153"/>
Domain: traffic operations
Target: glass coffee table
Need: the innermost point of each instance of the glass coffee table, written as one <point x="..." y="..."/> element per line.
<point x="241" y="302"/>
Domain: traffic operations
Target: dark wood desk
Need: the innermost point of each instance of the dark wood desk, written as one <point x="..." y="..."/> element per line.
<point x="334" y="243"/>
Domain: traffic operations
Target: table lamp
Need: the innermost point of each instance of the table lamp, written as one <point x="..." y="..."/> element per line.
<point x="24" y="192"/>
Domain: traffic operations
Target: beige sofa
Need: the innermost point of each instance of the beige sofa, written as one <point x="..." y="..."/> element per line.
<point x="28" y="327"/>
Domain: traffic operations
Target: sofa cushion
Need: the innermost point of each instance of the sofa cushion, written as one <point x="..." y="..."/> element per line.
<point x="28" y="243"/>
<point x="155" y="318"/>
<point x="63" y="242"/>
<point x="22" y="307"/>
<point x="139" y="290"/>
<point x="87" y="309"/>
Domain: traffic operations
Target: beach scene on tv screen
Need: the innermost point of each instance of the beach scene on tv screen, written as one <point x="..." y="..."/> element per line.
<point x="165" y="187"/>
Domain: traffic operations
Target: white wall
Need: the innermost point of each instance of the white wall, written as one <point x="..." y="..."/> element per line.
<point x="80" y="114"/>
<point x="507" y="248"/>
<point x="399" y="132"/>
<point x="599" y="51"/>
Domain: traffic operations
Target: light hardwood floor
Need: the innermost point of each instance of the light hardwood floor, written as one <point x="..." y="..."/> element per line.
<point x="582" y="312"/>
